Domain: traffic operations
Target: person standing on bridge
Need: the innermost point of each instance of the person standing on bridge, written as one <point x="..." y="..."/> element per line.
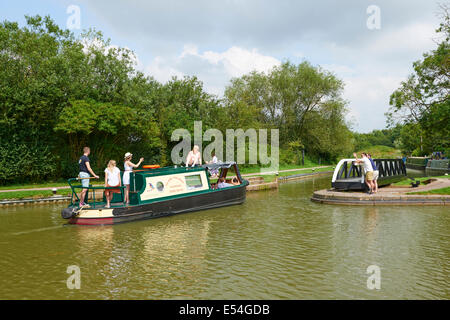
<point x="375" y="173"/>
<point x="368" y="170"/>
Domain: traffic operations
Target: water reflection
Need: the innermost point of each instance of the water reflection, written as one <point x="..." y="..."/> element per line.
<point x="371" y="222"/>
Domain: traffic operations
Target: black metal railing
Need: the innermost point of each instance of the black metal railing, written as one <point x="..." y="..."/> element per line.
<point x="345" y="172"/>
<point x="390" y="167"/>
<point x="386" y="168"/>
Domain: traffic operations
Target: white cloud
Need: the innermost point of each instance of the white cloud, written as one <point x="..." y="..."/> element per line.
<point x="238" y="61"/>
<point x="374" y="70"/>
<point x="368" y="98"/>
<point x="372" y="63"/>
<point x="215" y="69"/>
<point x="415" y="37"/>
<point x="161" y="70"/>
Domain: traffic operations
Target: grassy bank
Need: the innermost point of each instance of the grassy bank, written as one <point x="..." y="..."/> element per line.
<point x="443" y="191"/>
<point x="407" y="182"/>
<point x="50" y="184"/>
<point x="32" y="194"/>
<point x="272" y="177"/>
<point x="379" y="152"/>
<point x="308" y="164"/>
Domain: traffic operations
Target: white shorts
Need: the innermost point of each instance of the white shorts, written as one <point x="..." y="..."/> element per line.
<point x="375" y="174"/>
<point x="126" y="177"/>
<point x="84" y="182"/>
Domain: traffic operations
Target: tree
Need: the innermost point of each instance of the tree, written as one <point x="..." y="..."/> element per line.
<point x="179" y="103"/>
<point x="424" y="98"/>
<point x="304" y="102"/>
<point x="59" y="93"/>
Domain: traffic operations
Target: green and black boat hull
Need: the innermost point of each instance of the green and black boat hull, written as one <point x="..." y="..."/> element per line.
<point x="163" y="208"/>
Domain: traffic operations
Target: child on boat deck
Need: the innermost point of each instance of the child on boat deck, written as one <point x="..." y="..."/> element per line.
<point x="128" y="167"/>
<point x="112" y="179"/>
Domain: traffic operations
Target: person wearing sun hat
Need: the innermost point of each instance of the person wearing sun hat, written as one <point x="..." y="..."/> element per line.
<point x="128" y="168"/>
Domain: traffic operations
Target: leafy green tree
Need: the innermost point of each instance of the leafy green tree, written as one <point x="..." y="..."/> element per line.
<point x="180" y="102"/>
<point x="303" y="101"/>
<point x="423" y="99"/>
<point x="59" y="93"/>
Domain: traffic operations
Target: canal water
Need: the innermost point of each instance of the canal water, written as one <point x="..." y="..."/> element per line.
<point x="278" y="245"/>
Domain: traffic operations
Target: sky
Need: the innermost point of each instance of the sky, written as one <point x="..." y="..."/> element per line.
<point x="370" y="45"/>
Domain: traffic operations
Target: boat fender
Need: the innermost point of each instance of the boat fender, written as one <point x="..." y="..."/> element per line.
<point x="68" y="213"/>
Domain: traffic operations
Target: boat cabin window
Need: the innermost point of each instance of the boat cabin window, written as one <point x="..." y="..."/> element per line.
<point x="193" y="182"/>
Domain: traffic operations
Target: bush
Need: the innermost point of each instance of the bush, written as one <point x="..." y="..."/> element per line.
<point x="20" y="162"/>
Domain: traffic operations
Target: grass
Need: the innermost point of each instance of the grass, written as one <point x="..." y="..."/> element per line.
<point x="32" y="194"/>
<point x="378" y="152"/>
<point x="284" y="167"/>
<point x="407" y="182"/>
<point x="44" y="185"/>
<point x="34" y="185"/>
<point x="444" y="191"/>
<point x="308" y="164"/>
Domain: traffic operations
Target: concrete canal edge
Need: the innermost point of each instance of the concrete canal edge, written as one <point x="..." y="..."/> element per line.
<point x="331" y="196"/>
<point x="303" y="176"/>
<point x="257" y="183"/>
<point x="53" y="199"/>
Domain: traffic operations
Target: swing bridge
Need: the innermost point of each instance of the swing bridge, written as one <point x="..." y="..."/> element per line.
<point x="349" y="175"/>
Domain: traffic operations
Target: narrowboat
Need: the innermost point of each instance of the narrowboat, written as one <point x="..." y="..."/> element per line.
<point x="157" y="193"/>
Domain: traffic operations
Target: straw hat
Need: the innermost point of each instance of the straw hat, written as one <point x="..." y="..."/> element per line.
<point x="127" y="155"/>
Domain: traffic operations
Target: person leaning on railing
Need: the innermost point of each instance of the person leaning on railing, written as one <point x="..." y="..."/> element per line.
<point x="84" y="175"/>
<point x="367" y="169"/>
<point x="376" y="173"/>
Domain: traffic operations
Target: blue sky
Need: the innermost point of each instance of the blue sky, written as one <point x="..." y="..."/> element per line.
<point x="218" y="40"/>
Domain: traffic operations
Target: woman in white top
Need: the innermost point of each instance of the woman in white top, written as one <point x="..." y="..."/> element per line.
<point x="128" y="167"/>
<point x="112" y="179"/>
<point x="194" y="157"/>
